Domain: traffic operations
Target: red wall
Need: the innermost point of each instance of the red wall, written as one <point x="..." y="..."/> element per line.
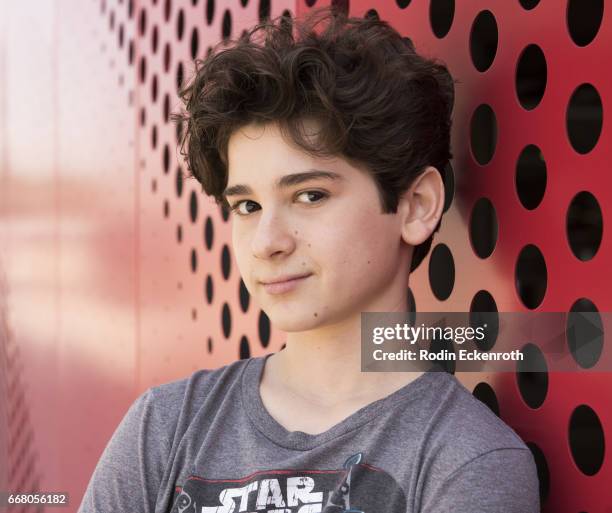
<point x="106" y="254"/>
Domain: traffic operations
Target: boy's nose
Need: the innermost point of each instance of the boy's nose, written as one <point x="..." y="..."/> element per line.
<point x="272" y="237"/>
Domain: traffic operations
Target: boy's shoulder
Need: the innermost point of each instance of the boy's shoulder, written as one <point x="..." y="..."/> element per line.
<point x="463" y="427"/>
<point x="200" y="382"/>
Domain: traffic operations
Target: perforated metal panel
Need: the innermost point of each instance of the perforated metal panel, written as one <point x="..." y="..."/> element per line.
<point x="130" y="272"/>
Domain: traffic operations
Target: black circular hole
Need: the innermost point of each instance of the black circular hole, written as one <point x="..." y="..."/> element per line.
<point x="131" y="52"/>
<point x="179" y="233"/>
<point x="142" y="22"/>
<point x="310" y="3"/>
<point x="264" y="10"/>
<point x="263" y="328"/>
<point x="154" y="137"/>
<point x="180" y="24"/>
<point x="441" y="272"/>
<point x="166" y="158"/>
<point x="531" y="277"/>
<point x="483" y="40"/>
<point x="584" y="332"/>
<point x="528" y="4"/>
<point x="584" y="19"/>
<point x="225" y="262"/>
<point x="586" y="440"/>
<point x="244" y="296"/>
<point x="402" y="4"/>
<point x="531" y="75"/>
<point x="194" y="43"/>
<point x="154" y="39"/>
<point x="584" y="225"/>
<point x="194" y="261"/>
<point x="166" y="107"/>
<point x="530" y="177"/>
<point x="167" y="57"/>
<point x="483" y="228"/>
<point x="226" y="320"/>
<point x="372" y="14"/>
<point x="193" y="206"/>
<point x="287" y="20"/>
<point x="226" y="25"/>
<point x="441" y="14"/>
<point x="210" y="11"/>
<point x="179" y="182"/>
<point x="484" y="314"/>
<point x="483" y="133"/>
<point x="485" y="393"/>
<point x="142" y="69"/>
<point x="584" y="118"/>
<point x="245" y="351"/>
<point x="179" y="76"/>
<point x="224" y="213"/>
<point x="154" y="89"/>
<point x="532" y="376"/>
<point x="209" y="289"/>
<point x="208" y="233"/>
<point x="449" y="186"/>
<point x="543" y="472"/>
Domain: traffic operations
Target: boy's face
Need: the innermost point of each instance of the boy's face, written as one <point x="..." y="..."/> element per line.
<point x="329" y="229"/>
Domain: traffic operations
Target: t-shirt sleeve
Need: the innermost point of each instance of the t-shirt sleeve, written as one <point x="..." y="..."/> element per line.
<point x="498" y="481"/>
<point x="128" y="475"/>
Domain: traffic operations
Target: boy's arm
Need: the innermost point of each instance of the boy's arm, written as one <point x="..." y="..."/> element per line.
<point x="498" y="481"/>
<point x="129" y="472"/>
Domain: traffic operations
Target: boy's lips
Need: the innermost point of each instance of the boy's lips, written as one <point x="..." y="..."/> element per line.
<point x="287" y="277"/>
<point x="286" y="285"/>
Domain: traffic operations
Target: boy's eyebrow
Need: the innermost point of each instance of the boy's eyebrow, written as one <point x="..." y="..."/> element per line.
<point x="285" y="181"/>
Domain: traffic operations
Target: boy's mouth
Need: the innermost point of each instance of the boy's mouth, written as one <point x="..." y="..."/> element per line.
<point x="285" y="285"/>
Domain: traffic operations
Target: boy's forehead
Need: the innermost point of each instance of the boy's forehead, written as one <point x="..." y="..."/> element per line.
<point x="264" y="140"/>
<point x="261" y="154"/>
<point x="258" y="151"/>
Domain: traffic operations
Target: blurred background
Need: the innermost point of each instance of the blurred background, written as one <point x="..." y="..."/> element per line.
<point x="117" y="274"/>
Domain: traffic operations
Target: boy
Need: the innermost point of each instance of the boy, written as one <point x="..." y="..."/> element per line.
<point x="327" y="147"/>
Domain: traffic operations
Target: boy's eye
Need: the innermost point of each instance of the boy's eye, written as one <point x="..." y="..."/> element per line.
<point x="311" y="196"/>
<point x="241" y="212"/>
<point x="317" y="195"/>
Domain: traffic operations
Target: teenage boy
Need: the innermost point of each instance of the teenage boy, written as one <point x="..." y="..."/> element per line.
<point x="327" y="146"/>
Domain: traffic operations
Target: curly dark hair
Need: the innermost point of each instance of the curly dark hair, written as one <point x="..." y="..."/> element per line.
<point x="378" y="103"/>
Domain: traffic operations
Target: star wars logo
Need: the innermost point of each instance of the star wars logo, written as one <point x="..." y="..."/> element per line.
<point x="356" y="488"/>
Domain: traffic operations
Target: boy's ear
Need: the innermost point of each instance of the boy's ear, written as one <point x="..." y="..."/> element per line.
<point x="420" y="207"/>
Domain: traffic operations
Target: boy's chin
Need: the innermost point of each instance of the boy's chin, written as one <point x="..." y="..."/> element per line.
<point x="294" y="322"/>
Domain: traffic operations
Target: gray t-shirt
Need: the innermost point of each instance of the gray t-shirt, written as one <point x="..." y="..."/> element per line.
<point x="207" y="444"/>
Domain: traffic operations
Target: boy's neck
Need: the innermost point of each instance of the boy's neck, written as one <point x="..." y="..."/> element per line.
<point x="327" y="371"/>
